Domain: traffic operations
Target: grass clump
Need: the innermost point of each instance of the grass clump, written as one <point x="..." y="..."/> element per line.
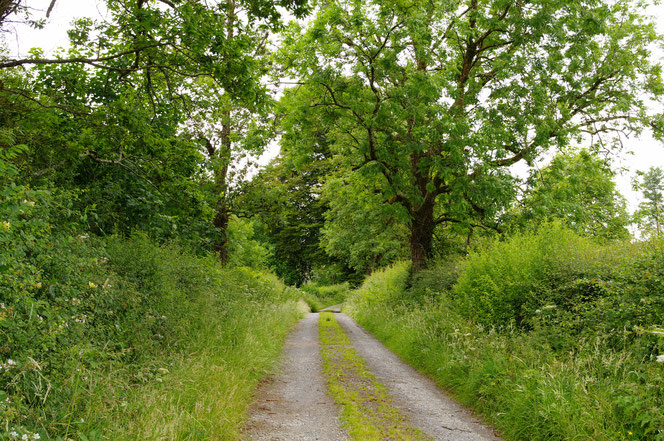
<point x="366" y="404"/>
<point x="549" y="336"/>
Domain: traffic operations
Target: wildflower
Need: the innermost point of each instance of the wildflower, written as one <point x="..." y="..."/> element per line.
<point x="660" y="358"/>
<point x="13" y="435"/>
<point x="25" y="437"/>
<point x="6" y="225"/>
<point x="35" y="436"/>
<point x="29" y="203"/>
<point x="92" y="285"/>
<point x="83" y="237"/>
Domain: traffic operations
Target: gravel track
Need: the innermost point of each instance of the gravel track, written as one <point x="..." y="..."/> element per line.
<point x="427" y="407"/>
<point x="295" y="406"/>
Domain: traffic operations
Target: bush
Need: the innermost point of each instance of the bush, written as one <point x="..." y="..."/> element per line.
<point x="508" y="282"/>
<point x="88" y="322"/>
<point x="321" y="296"/>
<point x="380" y="287"/>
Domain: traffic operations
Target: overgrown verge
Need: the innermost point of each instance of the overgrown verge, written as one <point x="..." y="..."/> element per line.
<point x="366" y="405"/>
<point x="548" y="335"/>
<point x="121" y="339"/>
<point x="321" y="296"/>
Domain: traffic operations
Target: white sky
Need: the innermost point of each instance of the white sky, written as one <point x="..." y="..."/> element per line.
<point x="640" y="153"/>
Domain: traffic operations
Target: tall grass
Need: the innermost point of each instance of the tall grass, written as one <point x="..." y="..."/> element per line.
<point x="573" y="354"/>
<point x="149" y="343"/>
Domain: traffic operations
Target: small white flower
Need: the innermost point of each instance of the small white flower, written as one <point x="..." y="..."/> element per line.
<point x="25" y="437"/>
<point x="36" y="436"/>
<point x="14" y="435"/>
<point x="660" y="358"/>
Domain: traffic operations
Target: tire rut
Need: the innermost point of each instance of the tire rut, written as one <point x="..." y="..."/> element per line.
<point x="294" y="405"/>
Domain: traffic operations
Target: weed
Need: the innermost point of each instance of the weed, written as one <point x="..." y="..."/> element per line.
<point x="366" y="404"/>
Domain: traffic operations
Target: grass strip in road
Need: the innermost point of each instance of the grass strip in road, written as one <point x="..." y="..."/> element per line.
<point x="366" y="404"/>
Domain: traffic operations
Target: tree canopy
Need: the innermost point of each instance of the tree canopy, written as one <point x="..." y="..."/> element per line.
<point x="398" y="135"/>
<point x="432" y="101"/>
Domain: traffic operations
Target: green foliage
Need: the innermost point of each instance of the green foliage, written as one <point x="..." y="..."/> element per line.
<point x="650" y="215"/>
<point x="321" y="296"/>
<point x="243" y="248"/>
<point x="578" y="189"/>
<point x="588" y="368"/>
<point x="430" y="104"/>
<point x="563" y="287"/>
<point x="360" y="230"/>
<point x="379" y="287"/>
<point x="508" y="281"/>
<point x="88" y="322"/>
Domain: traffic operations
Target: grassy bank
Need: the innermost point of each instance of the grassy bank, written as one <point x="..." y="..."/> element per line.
<point x="548" y="336"/>
<point x="126" y="340"/>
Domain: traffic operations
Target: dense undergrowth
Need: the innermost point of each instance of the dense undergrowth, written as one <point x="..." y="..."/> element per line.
<point x="122" y="339"/>
<point x="321" y="296"/>
<point x="549" y="336"/>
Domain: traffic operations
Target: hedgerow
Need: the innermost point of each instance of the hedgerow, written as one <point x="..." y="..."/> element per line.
<point x="547" y="335"/>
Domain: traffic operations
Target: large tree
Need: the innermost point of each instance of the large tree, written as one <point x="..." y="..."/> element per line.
<point x="433" y="99"/>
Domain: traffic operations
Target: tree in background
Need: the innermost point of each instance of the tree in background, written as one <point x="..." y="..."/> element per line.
<point x="431" y="101"/>
<point x="577" y="188"/>
<point x="361" y="230"/>
<point x="117" y="103"/>
<point x="650" y="215"/>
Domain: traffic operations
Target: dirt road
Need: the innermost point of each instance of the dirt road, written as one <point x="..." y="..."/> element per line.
<point x="295" y="405"/>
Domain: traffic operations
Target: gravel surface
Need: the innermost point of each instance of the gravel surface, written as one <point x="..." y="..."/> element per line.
<point x="426" y="406"/>
<point x="295" y="406"/>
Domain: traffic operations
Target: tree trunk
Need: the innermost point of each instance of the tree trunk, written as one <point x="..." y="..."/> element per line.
<point x="222" y="216"/>
<point x="421" y="235"/>
<point x="220" y="221"/>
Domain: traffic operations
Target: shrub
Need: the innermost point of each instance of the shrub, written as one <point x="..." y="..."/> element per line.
<point x="510" y="281"/>
<point x="321" y="296"/>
